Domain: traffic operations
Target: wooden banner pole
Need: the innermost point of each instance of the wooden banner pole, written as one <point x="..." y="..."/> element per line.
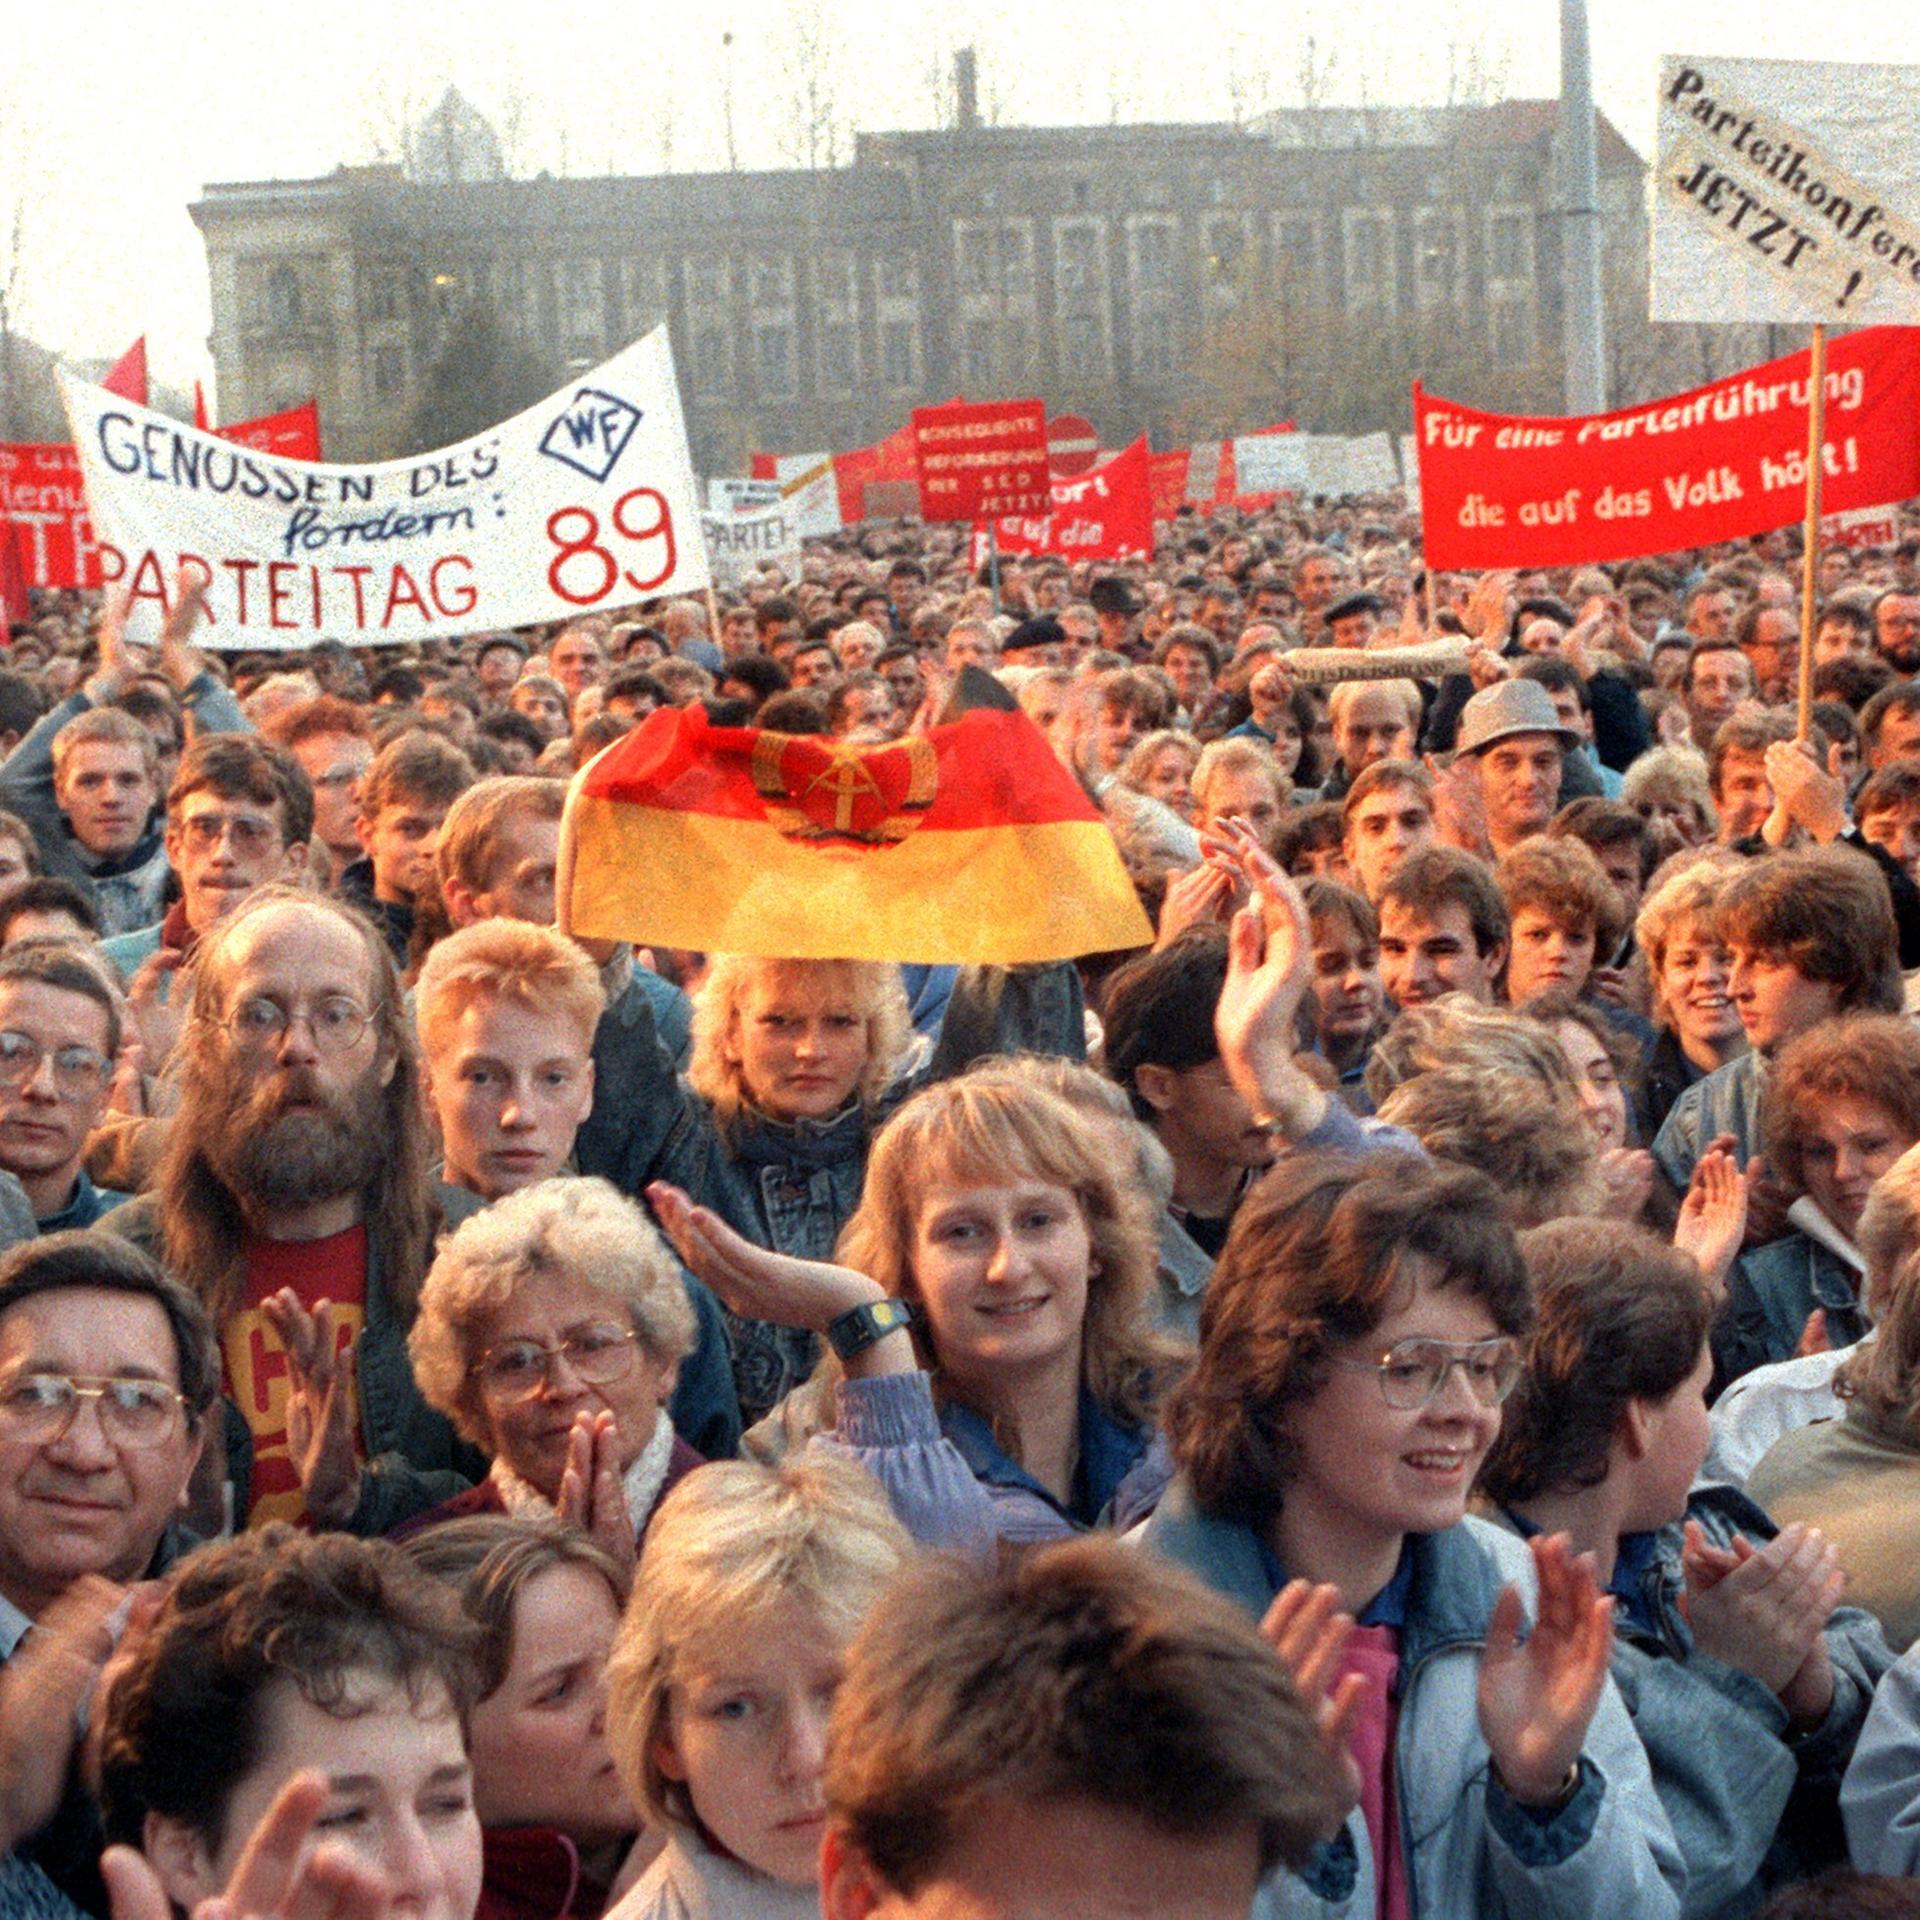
<point x="1810" y="555"/>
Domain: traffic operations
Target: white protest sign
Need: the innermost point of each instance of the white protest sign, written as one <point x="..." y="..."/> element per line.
<point x="1786" y="190"/>
<point x="741" y="496"/>
<point x="739" y="544"/>
<point x="586" y="500"/>
<point x="812" y="496"/>
<point x="1410" y="469"/>
<point x="1314" y="463"/>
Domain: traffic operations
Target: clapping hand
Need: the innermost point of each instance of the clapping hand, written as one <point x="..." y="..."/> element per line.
<point x="592" y="1495"/>
<point x="1764" y="1610"/>
<point x="1713" y="1217"/>
<point x="1537" y="1698"/>
<point x="1306" y="1628"/>
<point x="319" y="1405"/>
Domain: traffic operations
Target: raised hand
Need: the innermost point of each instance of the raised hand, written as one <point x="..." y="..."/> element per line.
<point x="277" y="1877"/>
<point x="1269" y="962"/>
<point x="42" y="1690"/>
<point x="180" y="660"/>
<point x="592" y="1496"/>
<point x="1764" y="1610"/>
<point x="118" y="662"/>
<point x="319" y="1406"/>
<point x="1537" y="1699"/>
<point x="1202" y="896"/>
<point x="158" y="1004"/>
<point x="760" y="1285"/>
<point x="1306" y="1628"/>
<point x="1805" y="792"/>
<point x="1489" y="608"/>
<point x="1627" y="1174"/>
<point x="1713" y="1217"/>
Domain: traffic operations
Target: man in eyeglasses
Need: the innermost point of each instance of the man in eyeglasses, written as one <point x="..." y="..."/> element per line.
<point x="240" y="813"/>
<point x="59" y="1032"/>
<point x="107" y="1372"/>
<point x="294" y="1198"/>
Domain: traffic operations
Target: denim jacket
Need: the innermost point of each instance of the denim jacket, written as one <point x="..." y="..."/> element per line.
<point x="1471" y="1851"/>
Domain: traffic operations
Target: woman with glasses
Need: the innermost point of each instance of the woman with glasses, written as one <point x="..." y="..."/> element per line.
<point x="551" y="1328"/>
<point x="1746" y="1682"/>
<point x="1360" y="1333"/>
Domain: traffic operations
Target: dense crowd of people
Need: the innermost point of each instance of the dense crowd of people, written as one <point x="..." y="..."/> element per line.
<point x="1402" y="1396"/>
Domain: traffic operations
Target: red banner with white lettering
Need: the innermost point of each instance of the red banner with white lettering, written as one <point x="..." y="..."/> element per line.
<point x="42" y="496"/>
<point x="1103" y="514"/>
<point x="981" y="459"/>
<point x="1721" y="462"/>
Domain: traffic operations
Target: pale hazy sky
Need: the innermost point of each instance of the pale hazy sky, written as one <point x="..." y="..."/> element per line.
<point x="113" y="116"/>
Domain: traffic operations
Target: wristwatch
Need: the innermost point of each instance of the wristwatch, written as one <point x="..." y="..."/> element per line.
<point x="859" y="1327"/>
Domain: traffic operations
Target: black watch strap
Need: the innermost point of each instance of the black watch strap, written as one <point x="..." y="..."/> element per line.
<point x="859" y="1327"/>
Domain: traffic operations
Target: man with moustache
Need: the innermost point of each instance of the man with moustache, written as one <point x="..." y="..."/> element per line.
<point x="294" y="1200"/>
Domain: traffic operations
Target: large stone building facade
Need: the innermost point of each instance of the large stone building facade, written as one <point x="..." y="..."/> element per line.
<point x="1101" y="268"/>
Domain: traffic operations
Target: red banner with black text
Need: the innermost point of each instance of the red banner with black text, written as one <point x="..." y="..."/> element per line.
<point x="1721" y="462"/>
<point x="1105" y="513"/>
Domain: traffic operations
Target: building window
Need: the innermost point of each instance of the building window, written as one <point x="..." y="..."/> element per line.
<point x="981" y="373"/>
<point x="973" y="265"/>
<point x="1016" y="260"/>
<point x="1077" y="273"/>
<point x="1082" y="346"/>
<point x="835" y="278"/>
<point x="1369" y="260"/>
<point x="897" y="357"/>
<point x="839" y="356"/>
<point x="1296" y="262"/>
<point x="896" y="276"/>
<point x="773" y="347"/>
<point x="772" y="281"/>
<point x="1435" y="260"/>
<point x="383" y="294"/>
<point x="1226" y="252"/>
<point x="712" y="362"/>
<point x="1016" y="350"/>
<point x="1153" y="345"/>
<point x="1512" y="327"/>
<point x="1153" y="257"/>
<point x="1510" y="247"/>
<point x="706" y="281"/>
<point x="283" y="297"/>
<point x="583" y="315"/>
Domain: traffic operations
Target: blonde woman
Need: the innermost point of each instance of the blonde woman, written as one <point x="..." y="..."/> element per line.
<point x="723" y="1674"/>
<point x="795" y="1065"/>
<point x="992" y="1314"/>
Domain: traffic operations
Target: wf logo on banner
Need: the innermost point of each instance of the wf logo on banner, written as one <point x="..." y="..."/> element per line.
<point x="584" y="501"/>
<point x="1786" y="190"/>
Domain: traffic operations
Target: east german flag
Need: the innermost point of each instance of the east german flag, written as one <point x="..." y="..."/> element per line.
<point x="969" y="843"/>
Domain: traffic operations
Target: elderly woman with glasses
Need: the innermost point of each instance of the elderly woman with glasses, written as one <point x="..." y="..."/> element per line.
<point x="551" y="1328"/>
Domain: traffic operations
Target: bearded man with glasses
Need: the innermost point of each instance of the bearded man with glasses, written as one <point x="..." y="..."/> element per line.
<point x="294" y="1200"/>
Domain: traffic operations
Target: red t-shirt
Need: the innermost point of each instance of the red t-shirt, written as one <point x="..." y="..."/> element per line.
<point x="255" y="1362"/>
<point x="1375" y="1652"/>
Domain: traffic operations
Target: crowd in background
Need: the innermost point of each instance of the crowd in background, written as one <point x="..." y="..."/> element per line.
<point x="1401" y="1397"/>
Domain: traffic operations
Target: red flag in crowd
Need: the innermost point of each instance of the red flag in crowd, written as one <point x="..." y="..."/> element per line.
<point x="128" y="377"/>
